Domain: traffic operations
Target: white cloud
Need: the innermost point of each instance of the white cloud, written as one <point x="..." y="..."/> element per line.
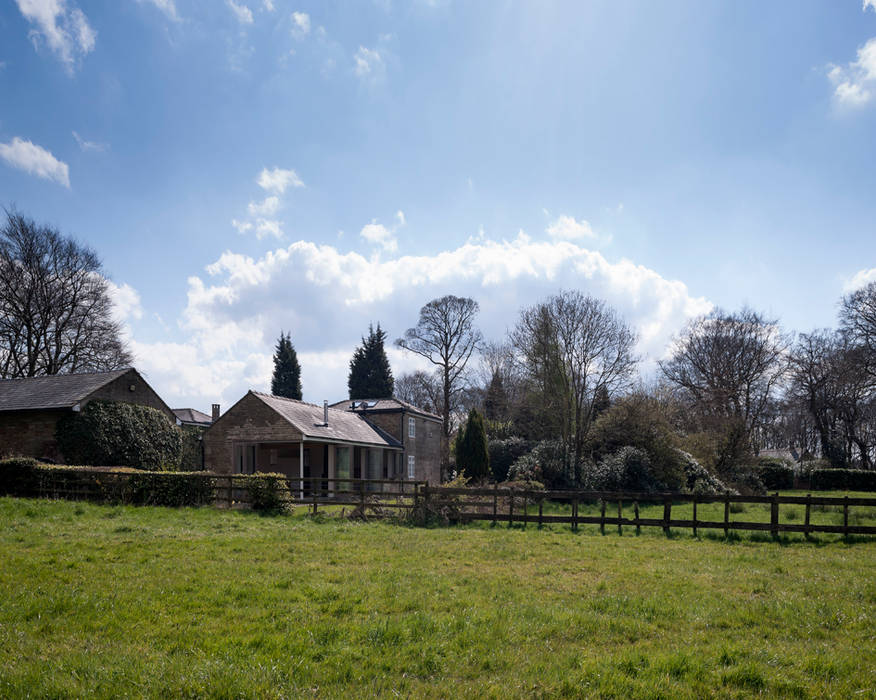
<point x="871" y="4"/>
<point x="235" y="312"/>
<point x="300" y="24"/>
<point x="368" y="63"/>
<point x="566" y="228"/>
<point x="861" y="278"/>
<point x="269" y="5"/>
<point x="126" y="302"/>
<point x="35" y="160"/>
<point x="241" y="12"/>
<point x="168" y="7"/>
<point x="855" y="84"/>
<point x="277" y="180"/>
<point x="89" y="145"/>
<point x="379" y="235"/>
<point x="241" y="226"/>
<point x="65" y="29"/>
<point x="400" y="217"/>
<point x="268" y="227"/>
<point x="267" y="207"/>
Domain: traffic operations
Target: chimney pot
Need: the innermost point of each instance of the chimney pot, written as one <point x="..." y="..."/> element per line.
<point x="215" y="412"/>
<point x="325" y="411"/>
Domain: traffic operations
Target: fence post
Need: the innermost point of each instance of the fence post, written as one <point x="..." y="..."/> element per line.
<point x="362" y="497"/>
<point x="602" y="516"/>
<point x="619" y="516"/>
<point x="313" y="489"/>
<point x="575" y="514"/>
<point x="667" y="513"/>
<point x="774" y="515"/>
<point x="845" y="516"/>
<point x="510" y="507"/>
<point x="525" y="509"/>
<point x="694" y="515"/>
<point x="806" y="530"/>
<point x="495" y="501"/>
<point x="636" y="517"/>
<point x="726" y="515"/>
<point x="540" y="505"/>
<point x="230" y="491"/>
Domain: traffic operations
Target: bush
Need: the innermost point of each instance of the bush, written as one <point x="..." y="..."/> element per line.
<point x="545" y="464"/>
<point x="775" y="474"/>
<point x="628" y="469"/>
<point x="119" y="434"/>
<point x="697" y="478"/>
<point x="472" y="455"/>
<point x="842" y="479"/>
<point x="268" y="493"/>
<point x="190" y="455"/>
<point x="503" y="453"/>
<point x="439" y="511"/>
<point x="18" y="476"/>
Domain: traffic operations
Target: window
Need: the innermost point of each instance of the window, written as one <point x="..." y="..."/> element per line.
<point x="412" y="427"/>
<point x="412" y="470"/>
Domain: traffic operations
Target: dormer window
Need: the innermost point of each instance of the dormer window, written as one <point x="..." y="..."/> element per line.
<point x="412" y="428"/>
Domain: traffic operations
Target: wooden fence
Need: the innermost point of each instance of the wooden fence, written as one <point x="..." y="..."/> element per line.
<point x="521" y="506"/>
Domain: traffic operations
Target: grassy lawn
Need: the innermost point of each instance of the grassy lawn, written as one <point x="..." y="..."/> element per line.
<point x="119" y="601"/>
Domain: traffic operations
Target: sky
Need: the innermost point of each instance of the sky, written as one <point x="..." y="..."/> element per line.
<point x="246" y="167"/>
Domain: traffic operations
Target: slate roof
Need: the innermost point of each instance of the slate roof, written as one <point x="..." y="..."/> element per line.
<point x="343" y="426"/>
<point x="192" y="416"/>
<point x="56" y="391"/>
<point x="382" y="406"/>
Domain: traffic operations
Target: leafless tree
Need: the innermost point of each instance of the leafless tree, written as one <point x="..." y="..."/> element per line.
<point x="729" y="366"/>
<point x="858" y="321"/>
<point x="575" y="349"/>
<point x="55" y="309"/>
<point x="446" y="336"/>
<point x="421" y="389"/>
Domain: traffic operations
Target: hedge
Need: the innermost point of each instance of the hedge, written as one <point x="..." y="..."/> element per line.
<point x="775" y="476"/>
<point x="842" y="479"/>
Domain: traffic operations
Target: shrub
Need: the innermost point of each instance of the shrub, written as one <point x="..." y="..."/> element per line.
<point x="842" y="479"/>
<point x="268" y="493"/>
<point x="775" y="474"/>
<point x="190" y="453"/>
<point x="439" y="511"/>
<point x="119" y="434"/>
<point x="169" y="489"/>
<point x="545" y="463"/>
<point x="628" y="469"/>
<point x="18" y="476"/>
<point x="503" y="453"/>
<point x="698" y="479"/>
<point x="472" y="455"/>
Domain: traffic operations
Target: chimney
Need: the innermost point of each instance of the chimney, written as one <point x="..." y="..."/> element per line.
<point x="215" y="412"/>
<point x="325" y="412"/>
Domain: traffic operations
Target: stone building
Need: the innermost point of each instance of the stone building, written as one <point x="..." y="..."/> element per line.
<point x="30" y="408"/>
<point x="265" y="433"/>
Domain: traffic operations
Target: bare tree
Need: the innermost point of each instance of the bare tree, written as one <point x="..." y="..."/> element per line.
<point x="858" y="321"/>
<point x="576" y="349"/>
<point x="729" y="366"/>
<point x="420" y="389"/>
<point x="55" y="308"/>
<point x="446" y="336"/>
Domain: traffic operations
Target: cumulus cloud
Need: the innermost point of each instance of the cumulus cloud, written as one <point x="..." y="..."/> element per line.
<point x="566" y="228"/>
<point x="861" y="278"/>
<point x="870" y="4"/>
<point x="268" y="5"/>
<point x="379" y="235"/>
<point x="300" y="24"/>
<point x="855" y="83"/>
<point x="168" y="7"/>
<point x="277" y="180"/>
<point x="35" y="160"/>
<point x="327" y="297"/>
<point x="241" y="12"/>
<point x="241" y="226"/>
<point x="62" y="26"/>
<point x="267" y="207"/>
<point x="125" y="301"/>
<point x="268" y="227"/>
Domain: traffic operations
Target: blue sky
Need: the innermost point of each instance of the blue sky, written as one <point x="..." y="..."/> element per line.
<point x="245" y="167"/>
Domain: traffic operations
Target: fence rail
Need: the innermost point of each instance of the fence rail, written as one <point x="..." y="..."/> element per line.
<point x="515" y="506"/>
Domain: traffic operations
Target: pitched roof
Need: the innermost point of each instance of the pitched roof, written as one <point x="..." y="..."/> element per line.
<point x="343" y="426"/>
<point x="382" y="405"/>
<point x="55" y="391"/>
<point x="192" y="415"/>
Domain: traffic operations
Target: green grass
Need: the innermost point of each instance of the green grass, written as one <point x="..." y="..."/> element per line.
<point x="120" y="601"/>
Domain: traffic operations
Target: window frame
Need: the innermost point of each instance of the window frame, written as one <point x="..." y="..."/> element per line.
<point x="412" y="467"/>
<point x="412" y="428"/>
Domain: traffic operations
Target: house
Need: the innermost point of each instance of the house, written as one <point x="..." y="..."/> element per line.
<point x="193" y="418"/>
<point x="31" y="407"/>
<point x="418" y="432"/>
<point x="265" y="433"/>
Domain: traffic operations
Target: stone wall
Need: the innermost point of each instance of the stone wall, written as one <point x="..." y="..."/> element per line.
<point x="131" y="388"/>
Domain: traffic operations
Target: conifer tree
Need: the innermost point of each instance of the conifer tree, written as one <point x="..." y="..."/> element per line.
<point x="287" y="372"/>
<point x="370" y="374"/>
<point x="472" y="452"/>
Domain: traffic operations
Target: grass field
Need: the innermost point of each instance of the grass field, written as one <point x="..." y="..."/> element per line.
<point x="119" y="601"/>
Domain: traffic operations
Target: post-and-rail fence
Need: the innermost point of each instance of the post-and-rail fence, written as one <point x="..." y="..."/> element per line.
<point x="495" y="504"/>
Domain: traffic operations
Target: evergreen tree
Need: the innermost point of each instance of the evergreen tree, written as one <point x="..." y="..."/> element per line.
<point x="287" y="372"/>
<point x="472" y="452"/>
<point x="496" y="399"/>
<point x="370" y="374"/>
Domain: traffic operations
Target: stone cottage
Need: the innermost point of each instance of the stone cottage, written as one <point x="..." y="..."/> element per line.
<point x="30" y="408"/>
